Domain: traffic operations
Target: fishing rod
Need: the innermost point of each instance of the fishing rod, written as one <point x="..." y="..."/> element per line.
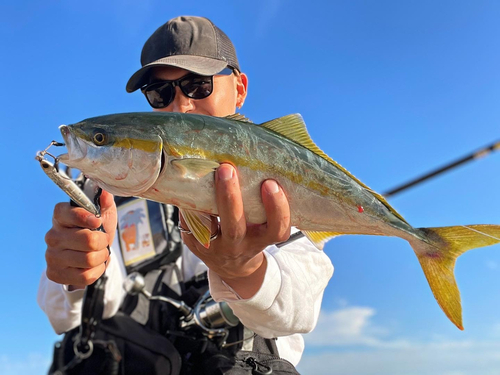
<point x="480" y="153"/>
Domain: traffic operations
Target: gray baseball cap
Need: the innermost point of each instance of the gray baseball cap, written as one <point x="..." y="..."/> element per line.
<point x="191" y="43"/>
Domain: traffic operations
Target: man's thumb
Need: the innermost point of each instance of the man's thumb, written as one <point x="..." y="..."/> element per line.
<point x="108" y="212"/>
<point x="107" y="201"/>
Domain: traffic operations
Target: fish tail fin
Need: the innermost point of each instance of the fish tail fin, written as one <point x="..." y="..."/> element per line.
<point x="438" y="253"/>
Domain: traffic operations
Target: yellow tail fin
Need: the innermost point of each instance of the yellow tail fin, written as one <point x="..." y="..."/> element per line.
<point x="438" y="255"/>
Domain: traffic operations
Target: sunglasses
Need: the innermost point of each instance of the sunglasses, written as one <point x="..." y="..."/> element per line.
<point x="161" y="94"/>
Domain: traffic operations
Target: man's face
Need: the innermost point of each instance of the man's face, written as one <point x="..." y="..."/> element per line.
<point x="228" y="93"/>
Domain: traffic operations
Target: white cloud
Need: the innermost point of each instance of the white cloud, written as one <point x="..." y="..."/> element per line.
<point x="346" y="326"/>
<point x="347" y="342"/>
<point x="447" y="358"/>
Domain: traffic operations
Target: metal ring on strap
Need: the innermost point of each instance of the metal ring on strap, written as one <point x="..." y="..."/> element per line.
<point x="83" y="355"/>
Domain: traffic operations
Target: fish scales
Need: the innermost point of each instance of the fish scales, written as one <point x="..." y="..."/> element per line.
<point x="299" y="171"/>
<point x="172" y="157"/>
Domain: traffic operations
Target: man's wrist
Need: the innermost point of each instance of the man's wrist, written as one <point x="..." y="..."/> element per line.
<point x="72" y="288"/>
<point x="242" y="270"/>
<point x="248" y="285"/>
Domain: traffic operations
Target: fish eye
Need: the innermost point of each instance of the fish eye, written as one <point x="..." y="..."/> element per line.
<point x="100" y="137"/>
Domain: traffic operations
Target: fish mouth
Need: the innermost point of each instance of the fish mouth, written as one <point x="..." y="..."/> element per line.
<point x="76" y="150"/>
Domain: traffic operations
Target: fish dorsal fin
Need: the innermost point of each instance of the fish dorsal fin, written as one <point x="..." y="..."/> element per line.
<point x="199" y="224"/>
<point x="294" y="128"/>
<point x="238" y="117"/>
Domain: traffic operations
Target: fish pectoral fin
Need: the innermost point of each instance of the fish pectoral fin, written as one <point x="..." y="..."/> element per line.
<point x="320" y="238"/>
<point x="195" y="168"/>
<point x="200" y="225"/>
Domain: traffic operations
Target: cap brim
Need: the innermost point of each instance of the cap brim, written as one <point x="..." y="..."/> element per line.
<point x="197" y="64"/>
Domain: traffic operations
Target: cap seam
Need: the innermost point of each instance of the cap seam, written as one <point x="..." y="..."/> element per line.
<point x="216" y="37"/>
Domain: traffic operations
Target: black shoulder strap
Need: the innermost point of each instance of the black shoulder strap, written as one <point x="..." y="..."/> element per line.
<point x="262" y="345"/>
<point x="93" y="304"/>
<point x="92" y="309"/>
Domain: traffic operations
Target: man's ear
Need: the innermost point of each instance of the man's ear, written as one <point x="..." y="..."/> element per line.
<point x="241" y="89"/>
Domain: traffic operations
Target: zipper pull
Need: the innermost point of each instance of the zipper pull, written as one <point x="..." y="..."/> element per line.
<point x="258" y="368"/>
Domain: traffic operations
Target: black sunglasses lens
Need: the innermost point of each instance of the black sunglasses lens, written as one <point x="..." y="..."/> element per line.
<point x="160" y="95"/>
<point x="197" y="87"/>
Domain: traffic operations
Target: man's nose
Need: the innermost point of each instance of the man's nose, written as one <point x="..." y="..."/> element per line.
<point x="181" y="102"/>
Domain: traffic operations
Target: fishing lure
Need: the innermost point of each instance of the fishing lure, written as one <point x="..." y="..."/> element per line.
<point x="64" y="182"/>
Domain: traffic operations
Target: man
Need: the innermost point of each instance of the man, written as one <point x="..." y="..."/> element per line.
<point x="190" y="66"/>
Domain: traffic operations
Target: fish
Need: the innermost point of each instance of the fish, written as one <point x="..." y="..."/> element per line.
<point x="172" y="157"/>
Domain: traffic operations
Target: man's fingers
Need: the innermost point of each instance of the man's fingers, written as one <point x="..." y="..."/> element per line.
<point x="277" y="211"/>
<point x="68" y="216"/>
<point x="76" y="239"/>
<point x="76" y="259"/>
<point x="77" y="254"/>
<point x="75" y="276"/>
<point x="230" y="203"/>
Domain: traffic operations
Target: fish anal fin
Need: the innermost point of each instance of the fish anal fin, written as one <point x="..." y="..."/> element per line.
<point x="438" y="256"/>
<point x="320" y="238"/>
<point x="200" y="225"/>
<point x="195" y="168"/>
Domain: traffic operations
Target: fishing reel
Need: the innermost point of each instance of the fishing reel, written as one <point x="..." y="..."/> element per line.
<point x="212" y="318"/>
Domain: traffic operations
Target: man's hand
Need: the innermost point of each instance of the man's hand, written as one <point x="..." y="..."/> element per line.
<point x="76" y="252"/>
<point x="236" y="255"/>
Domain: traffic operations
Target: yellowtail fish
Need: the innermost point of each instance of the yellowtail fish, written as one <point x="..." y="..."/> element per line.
<point x="171" y="158"/>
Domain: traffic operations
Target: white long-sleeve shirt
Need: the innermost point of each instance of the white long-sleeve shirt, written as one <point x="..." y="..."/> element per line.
<point x="287" y="304"/>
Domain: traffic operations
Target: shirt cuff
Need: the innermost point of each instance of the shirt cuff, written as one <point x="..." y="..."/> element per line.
<point x="72" y="296"/>
<point x="264" y="297"/>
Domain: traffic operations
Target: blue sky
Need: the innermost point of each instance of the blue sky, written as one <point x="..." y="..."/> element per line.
<point x="389" y="89"/>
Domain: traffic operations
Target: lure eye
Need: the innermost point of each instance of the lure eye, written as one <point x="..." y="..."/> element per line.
<point x="100" y="138"/>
